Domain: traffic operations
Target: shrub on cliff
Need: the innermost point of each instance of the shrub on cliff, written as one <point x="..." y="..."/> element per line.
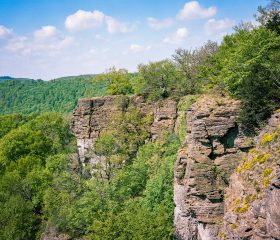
<point x="158" y="80"/>
<point x="247" y="64"/>
<point x="190" y="62"/>
<point x="119" y="81"/>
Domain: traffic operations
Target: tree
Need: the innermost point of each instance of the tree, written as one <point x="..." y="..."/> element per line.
<point x="17" y="220"/>
<point x="129" y="131"/>
<point x="247" y="63"/>
<point x="244" y="26"/>
<point x="158" y="80"/>
<point x="119" y="81"/>
<point x="28" y="165"/>
<point x="269" y="16"/>
<point x="189" y="62"/>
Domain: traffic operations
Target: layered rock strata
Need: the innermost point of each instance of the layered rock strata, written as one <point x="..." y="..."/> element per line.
<point x="213" y="148"/>
<point x="92" y="115"/>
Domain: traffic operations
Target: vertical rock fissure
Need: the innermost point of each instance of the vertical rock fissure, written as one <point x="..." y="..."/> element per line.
<point x="213" y="146"/>
<point x="90" y="119"/>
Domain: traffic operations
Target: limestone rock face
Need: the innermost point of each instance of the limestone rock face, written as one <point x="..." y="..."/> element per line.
<point x="92" y="115"/>
<point x="213" y="148"/>
<point x="252" y="201"/>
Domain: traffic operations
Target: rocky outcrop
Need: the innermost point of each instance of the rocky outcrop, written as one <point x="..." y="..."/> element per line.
<point x="92" y="115"/>
<point x="215" y="157"/>
<point x="213" y="148"/>
<point x="252" y="202"/>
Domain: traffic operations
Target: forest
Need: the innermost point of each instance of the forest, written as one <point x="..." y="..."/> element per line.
<point x="36" y="96"/>
<point x="42" y="184"/>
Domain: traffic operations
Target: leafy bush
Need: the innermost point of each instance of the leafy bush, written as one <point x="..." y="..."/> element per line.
<point x="119" y="81"/>
<point x="158" y="80"/>
<point x="248" y="64"/>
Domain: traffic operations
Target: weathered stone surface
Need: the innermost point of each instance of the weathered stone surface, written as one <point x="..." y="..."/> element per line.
<point x="212" y="150"/>
<point x="92" y="115"/>
<point x="52" y="234"/>
<point x="252" y="202"/>
<point x="211" y="153"/>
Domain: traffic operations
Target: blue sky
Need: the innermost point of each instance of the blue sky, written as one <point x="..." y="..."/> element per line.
<point x="53" y="38"/>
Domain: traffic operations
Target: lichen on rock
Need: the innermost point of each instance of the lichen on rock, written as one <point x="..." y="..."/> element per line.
<point x="253" y="198"/>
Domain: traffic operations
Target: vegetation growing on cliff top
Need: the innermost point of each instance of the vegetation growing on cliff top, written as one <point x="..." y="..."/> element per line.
<point x="245" y="65"/>
<point x="41" y="184"/>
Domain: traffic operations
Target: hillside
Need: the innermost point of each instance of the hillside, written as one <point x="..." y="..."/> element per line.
<point x="7" y="78"/>
<point x="185" y="148"/>
<point x="33" y="96"/>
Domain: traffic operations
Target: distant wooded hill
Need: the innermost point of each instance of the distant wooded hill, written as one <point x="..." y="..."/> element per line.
<point x="23" y="95"/>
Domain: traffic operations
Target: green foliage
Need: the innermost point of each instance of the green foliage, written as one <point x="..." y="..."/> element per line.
<point x="27" y="153"/>
<point x="60" y="95"/>
<point x="143" y="196"/>
<point x="119" y="81"/>
<point x="9" y="122"/>
<point x="17" y="219"/>
<point x="166" y="78"/>
<point x="105" y="145"/>
<point x="158" y="80"/>
<point x="248" y="65"/>
<point x="269" y="16"/>
<point x="189" y="63"/>
<point x="129" y="131"/>
<point x="135" y="203"/>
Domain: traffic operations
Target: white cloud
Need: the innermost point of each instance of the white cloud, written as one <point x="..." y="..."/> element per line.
<point x="193" y="10"/>
<point x="139" y="48"/>
<point x="82" y="20"/>
<point x="159" y="24"/>
<point x="213" y="26"/>
<point x="4" y="32"/>
<point x="62" y="43"/>
<point x="17" y="43"/>
<point x="177" y="37"/>
<point x="45" y="32"/>
<point x="31" y="46"/>
<point x="114" y="26"/>
<point x="92" y="51"/>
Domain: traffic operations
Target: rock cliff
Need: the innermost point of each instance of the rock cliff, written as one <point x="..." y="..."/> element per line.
<point x="213" y="148"/>
<point x="223" y="187"/>
<point x="252" y="201"/>
<point x="92" y="115"/>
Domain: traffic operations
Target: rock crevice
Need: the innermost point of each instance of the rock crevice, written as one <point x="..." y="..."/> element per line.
<point x="211" y="152"/>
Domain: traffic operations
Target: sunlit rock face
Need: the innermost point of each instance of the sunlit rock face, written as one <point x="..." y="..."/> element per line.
<point x="213" y="198"/>
<point x="92" y="115"/>
<point x="252" y="200"/>
<point x="213" y="148"/>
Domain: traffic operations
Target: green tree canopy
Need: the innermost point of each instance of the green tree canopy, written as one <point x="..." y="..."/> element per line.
<point x="158" y="80"/>
<point x="119" y="81"/>
<point x="248" y="64"/>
